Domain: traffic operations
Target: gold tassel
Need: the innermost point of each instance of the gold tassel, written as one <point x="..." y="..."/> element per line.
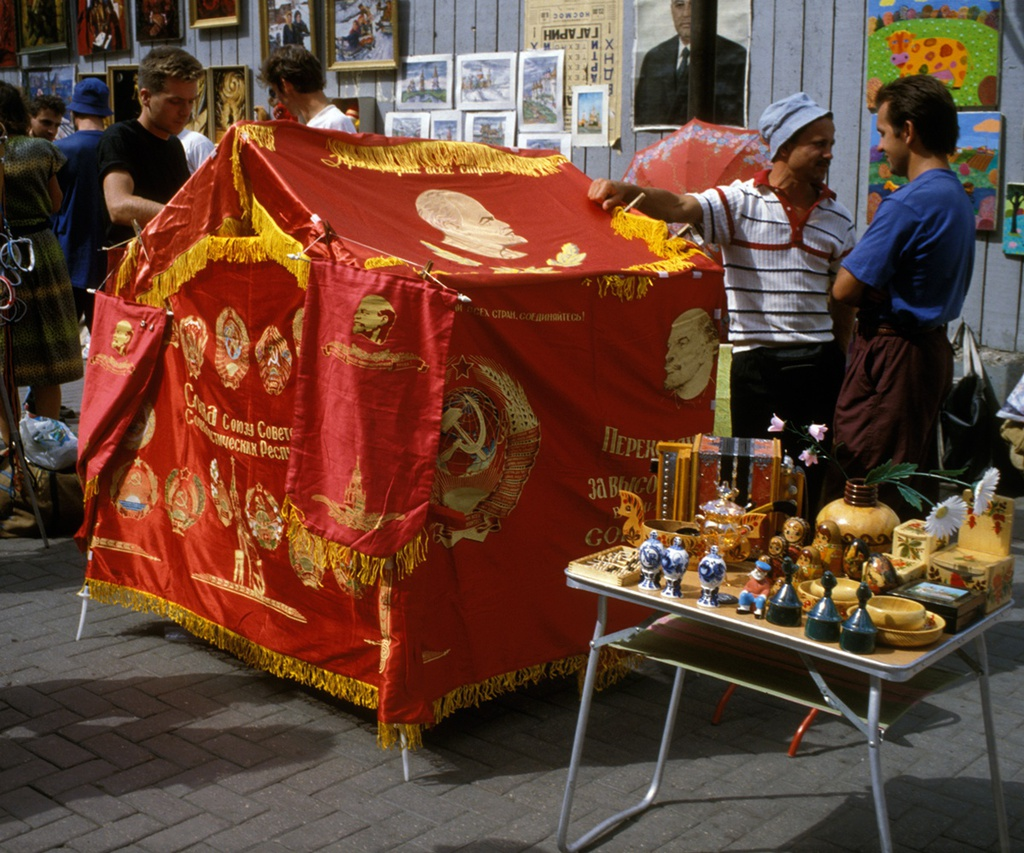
<point x="434" y="157"/>
<point x="390" y="735"/>
<point x="253" y="654"/>
<point x="382" y="261"/>
<point x="260" y="135"/>
<point x="626" y="287"/>
<point x="675" y="251"/>
<point x="126" y="271"/>
<point x="279" y="245"/>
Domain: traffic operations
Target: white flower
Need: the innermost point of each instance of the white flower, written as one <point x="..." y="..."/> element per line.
<point x="817" y="431"/>
<point x="777" y="425"/>
<point x="809" y="457"/>
<point x="984" y="489"/>
<point x="946" y="517"/>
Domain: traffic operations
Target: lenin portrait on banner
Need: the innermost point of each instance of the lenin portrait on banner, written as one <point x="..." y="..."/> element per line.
<point x="662" y="82"/>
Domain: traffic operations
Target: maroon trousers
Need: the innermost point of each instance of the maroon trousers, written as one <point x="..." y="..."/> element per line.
<point x="889" y="407"/>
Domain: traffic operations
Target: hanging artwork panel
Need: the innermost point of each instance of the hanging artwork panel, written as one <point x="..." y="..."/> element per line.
<point x="42" y="26"/>
<point x="212" y="13"/>
<point x="157" y="20"/>
<point x="541" y="90"/>
<point x="228" y="98"/>
<point x="425" y="83"/>
<point x="102" y="27"/>
<point x="1013" y="219"/>
<point x="286" y="22"/>
<point x="486" y="81"/>
<point x="361" y="36"/>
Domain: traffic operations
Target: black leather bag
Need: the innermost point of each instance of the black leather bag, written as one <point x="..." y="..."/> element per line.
<point x="968" y="423"/>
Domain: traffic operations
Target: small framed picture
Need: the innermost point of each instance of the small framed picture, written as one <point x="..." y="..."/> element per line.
<point x="212" y="13"/>
<point x="541" y="90"/>
<point x="157" y="20"/>
<point x="8" y="35"/>
<point x="42" y="27"/>
<point x="123" y="82"/>
<point x="362" y="36"/>
<point x="416" y="125"/>
<point x="290" y="22"/>
<point x="560" y="142"/>
<point x="491" y="128"/>
<point x="486" y="81"/>
<point x="590" y="115"/>
<point x="425" y="83"/>
<point x="228" y="98"/>
<point x="446" y="125"/>
<point x="102" y="27"/>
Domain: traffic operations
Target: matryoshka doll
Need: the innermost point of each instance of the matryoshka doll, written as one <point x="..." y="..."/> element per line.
<point x="828" y="539"/>
<point x="795" y="531"/>
<point x="854" y="558"/>
<point x="808" y="564"/>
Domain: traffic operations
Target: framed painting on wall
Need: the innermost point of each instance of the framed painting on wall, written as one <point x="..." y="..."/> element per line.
<point x="228" y="99"/>
<point x="486" y="81"/>
<point x="157" y="20"/>
<point x="491" y="128"/>
<point x="416" y="125"/>
<point x="42" y="26"/>
<point x="362" y="36"/>
<point x="102" y="27"/>
<point x="123" y="82"/>
<point x="8" y="35"/>
<point x="425" y="83"/>
<point x="212" y="13"/>
<point x="542" y="90"/>
<point x="59" y="81"/>
<point x="590" y="115"/>
<point x="286" y="22"/>
<point x="1013" y="219"/>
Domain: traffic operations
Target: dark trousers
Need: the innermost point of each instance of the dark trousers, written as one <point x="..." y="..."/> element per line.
<point x="800" y="385"/>
<point x="889" y="408"/>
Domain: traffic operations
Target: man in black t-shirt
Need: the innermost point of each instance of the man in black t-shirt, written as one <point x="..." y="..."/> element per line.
<point x="141" y="161"/>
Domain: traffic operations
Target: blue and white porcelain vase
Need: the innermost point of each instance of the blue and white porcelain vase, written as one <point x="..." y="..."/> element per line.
<point x="650" y="553"/>
<point x="711" y="573"/>
<point x="673" y="566"/>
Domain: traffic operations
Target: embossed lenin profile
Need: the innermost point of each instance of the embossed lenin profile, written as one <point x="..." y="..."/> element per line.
<point x="373" y="318"/>
<point x="467" y="224"/>
<point x="121" y="337"/>
<point x="692" y="346"/>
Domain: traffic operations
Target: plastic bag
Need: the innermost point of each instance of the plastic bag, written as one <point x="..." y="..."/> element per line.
<point x="968" y="424"/>
<point x="49" y="443"/>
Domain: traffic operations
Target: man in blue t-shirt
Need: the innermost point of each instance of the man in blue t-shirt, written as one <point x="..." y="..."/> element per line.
<point x="909" y="276"/>
<point x="79" y="222"/>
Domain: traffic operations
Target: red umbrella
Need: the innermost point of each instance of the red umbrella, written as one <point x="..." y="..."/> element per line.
<point x="697" y="156"/>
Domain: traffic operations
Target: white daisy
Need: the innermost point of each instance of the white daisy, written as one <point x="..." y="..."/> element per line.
<point x="984" y="489"/>
<point x="946" y="517"/>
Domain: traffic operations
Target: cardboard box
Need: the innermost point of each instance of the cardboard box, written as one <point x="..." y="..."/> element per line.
<point x="990" y="532"/>
<point x="910" y="541"/>
<point x="959" y="607"/>
<point x="973" y="570"/>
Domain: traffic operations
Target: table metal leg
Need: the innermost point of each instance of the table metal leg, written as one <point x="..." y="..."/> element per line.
<point x="874" y="735"/>
<point x="581" y="733"/>
<point x="990" y="742"/>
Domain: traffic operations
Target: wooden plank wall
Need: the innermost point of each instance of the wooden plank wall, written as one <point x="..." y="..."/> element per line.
<point x="814" y="45"/>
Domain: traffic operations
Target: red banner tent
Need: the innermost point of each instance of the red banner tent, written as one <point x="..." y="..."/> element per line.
<point x="399" y="387"/>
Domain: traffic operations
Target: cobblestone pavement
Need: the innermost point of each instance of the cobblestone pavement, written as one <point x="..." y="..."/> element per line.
<point x="141" y="737"/>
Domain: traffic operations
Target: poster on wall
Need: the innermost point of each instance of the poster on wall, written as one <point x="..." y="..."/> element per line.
<point x="59" y="81"/>
<point x="42" y="26"/>
<point x="541" y="90"/>
<point x="491" y="128"/>
<point x="157" y="20"/>
<point x="412" y="125"/>
<point x="976" y="164"/>
<point x="590" y="115"/>
<point x="958" y="45"/>
<point x="425" y="83"/>
<point x="102" y="27"/>
<point x="446" y="125"/>
<point x="661" y="66"/>
<point x="590" y="35"/>
<point x="485" y="81"/>
<point x="1013" y="219"/>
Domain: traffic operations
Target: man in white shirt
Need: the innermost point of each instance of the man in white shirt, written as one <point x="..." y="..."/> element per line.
<point x="295" y="78"/>
<point x="197" y="148"/>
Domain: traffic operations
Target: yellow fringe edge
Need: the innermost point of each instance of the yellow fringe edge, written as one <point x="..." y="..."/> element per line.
<point x="342" y="558"/>
<point x="126" y="271"/>
<point x="674" y="250"/>
<point x="382" y="261"/>
<point x="210" y="249"/>
<point x="434" y="157"/>
<point x="253" y="654"/>
<point x="626" y="287"/>
<point x="91" y="489"/>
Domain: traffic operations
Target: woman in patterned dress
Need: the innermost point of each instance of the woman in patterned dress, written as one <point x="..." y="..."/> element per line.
<point x="45" y="340"/>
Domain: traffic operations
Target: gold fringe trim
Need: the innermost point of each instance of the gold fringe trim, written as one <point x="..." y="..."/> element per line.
<point x="126" y="271"/>
<point x="278" y="244"/>
<point x="260" y="135"/>
<point x="253" y="654"/>
<point x="382" y="261"/>
<point x="674" y="250"/>
<point x="390" y="735"/>
<point x="346" y="560"/>
<point x="92" y="487"/>
<point x="434" y="157"/>
<point x="626" y="287"/>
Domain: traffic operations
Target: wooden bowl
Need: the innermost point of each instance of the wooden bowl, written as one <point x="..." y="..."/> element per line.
<point x="805" y="591"/>
<point x="900" y="614"/>
<point x="933" y="627"/>
<point x="845" y="591"/>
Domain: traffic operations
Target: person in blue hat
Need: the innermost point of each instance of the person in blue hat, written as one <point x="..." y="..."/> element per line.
<point x="79" y="222"/>
<point x="783" y="236"/>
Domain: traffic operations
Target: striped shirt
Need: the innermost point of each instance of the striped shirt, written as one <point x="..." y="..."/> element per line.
<point x="778" y="270"/>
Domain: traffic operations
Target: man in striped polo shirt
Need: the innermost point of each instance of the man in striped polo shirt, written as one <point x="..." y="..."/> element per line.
<point x="782" y="235"/>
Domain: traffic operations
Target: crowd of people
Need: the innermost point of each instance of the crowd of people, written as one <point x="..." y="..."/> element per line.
<point x="79" y="196"/>
<point x="824" y="329"/>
